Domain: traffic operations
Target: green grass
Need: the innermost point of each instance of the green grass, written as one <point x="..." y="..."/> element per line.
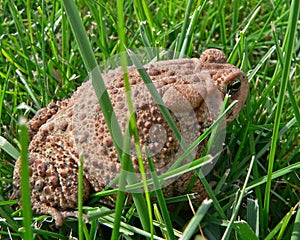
<point x="45" y="56"/>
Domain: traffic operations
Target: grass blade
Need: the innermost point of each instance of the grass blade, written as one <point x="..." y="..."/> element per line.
<point x="285" y="222"/>
<point x="95" y="74"/>
<point x="103" y="97"/>
<point x="296" y="230"/>
<point x="194" y="222"/>
<point x="221" y="14"/>
<point x="281" y="226"/>
<point x="244" y="231"/>
<point x="190" y="31"/>
<point x="80" y="197"/>
<point x="7" y="147"/>
<point x="25" y="188"/>
<point x="184" y="28"/>
<point x="227" y="232"/>
<point x="288" y="46"/>
<point x="145" y="216"/>
<point x="146" y="22"/>
<point x="161" y="201"/>
<point x="125" y="158"/>
<point x="253" y="215"/>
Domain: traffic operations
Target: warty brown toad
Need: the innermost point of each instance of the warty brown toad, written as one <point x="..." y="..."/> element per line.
<point x="190" y="88"/>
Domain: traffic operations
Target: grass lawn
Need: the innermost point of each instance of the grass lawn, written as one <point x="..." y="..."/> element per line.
<point x="49" y="47"/>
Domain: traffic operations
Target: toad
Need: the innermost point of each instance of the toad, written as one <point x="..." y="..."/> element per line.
<point x="192" y="89"/>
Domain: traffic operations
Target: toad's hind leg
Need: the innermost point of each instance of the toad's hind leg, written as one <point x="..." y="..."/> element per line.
<point x="54" y="184"/>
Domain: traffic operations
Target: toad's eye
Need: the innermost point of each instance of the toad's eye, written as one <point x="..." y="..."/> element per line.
<point x="234" y="86"/>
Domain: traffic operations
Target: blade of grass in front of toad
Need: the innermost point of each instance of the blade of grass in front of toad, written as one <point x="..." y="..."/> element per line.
<point x="100" y="89"/>
<point x="133" y="127"/>
<point x="101" y="92"/>
<point x="25" y="188"/>
<point x="80" y="197"/>
<point x="288" y="46"/>
<point x="91" y="66"/>
<point x="146" y="217"/>
<point x="161" y="200"/>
